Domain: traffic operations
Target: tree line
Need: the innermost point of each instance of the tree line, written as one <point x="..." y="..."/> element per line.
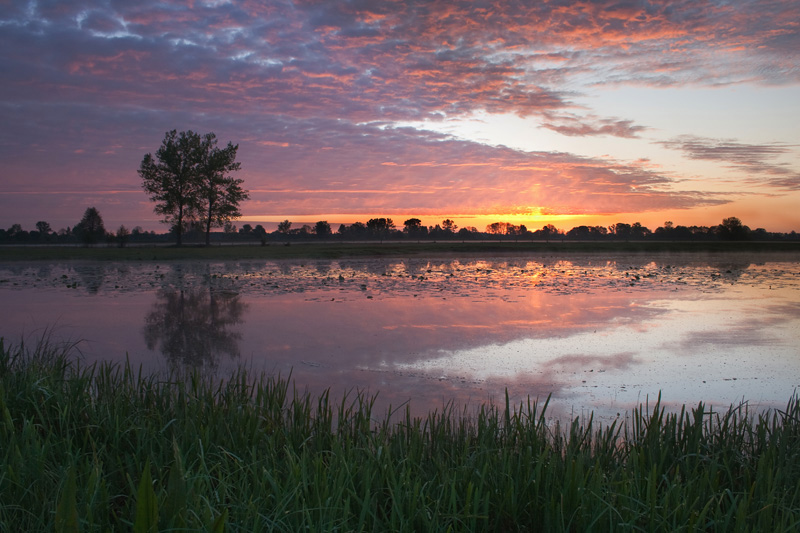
<point x="190" y="181"/>
<point x="730" y="229"/>
<point x="90" y="230"/>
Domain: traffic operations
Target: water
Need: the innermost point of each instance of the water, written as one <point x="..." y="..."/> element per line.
<point x="599" y="334"/>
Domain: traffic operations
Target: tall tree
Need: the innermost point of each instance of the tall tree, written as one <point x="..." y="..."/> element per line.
<point x="284" y="227"/>
<point x="732" y="229"/>
<point x="44" y="229"/>
<point x="90" y="229"/>
<point x="171" y="178"/>
<point x="123" y="234"/>
<point x="412" y="225"/>
<point x="322" y="229"/>
<point x="219" y="193"/>
<point x="449" y="226"/>
<point x="14" y="230"/>
<point x="380" y="227"/>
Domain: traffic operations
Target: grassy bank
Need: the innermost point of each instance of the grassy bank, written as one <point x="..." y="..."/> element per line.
<point x="104" y="448"/>
<point x="335" y="250"/>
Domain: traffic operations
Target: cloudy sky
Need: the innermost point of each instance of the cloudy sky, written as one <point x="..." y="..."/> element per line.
<point x="565" y="112"/>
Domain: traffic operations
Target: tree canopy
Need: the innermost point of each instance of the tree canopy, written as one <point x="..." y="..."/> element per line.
<point x="90" y="229"/>
<point x="284" y="226"/>
<point x="219" y="192"/>
<point x="189" y="179"/>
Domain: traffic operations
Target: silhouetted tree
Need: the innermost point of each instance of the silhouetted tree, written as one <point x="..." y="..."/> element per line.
<point x="172" y="178"/>
<point x="14" y="231"/>
<point x="587" y="232"/>
<point x="356" y="230"/>
<point x="732" y="229"/>
<point x="219" y="193"/>
<point x="435" y="232"/>
<point x="413" y="228"/>
<point x="122" y="236"/>
<point x="468" y="232"/>
<point x="640" y="232"/>
<point x="505" y="228"/>
<point x="497" y="228"/>
<point x="380" y="227"/>
<point x="284" y="227"/>
<point x="322" y="229"/>
<point x="548" y="232"/>
<point x="261" y="233"/>
<point x="189" y="178"/>
<point x="620" y="230"/>
<point x="90" y="229"/>
<point x="44" y="229"/>
<point x="449" y="226"/>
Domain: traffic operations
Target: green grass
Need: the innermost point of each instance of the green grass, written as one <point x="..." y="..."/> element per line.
<point x="334" y="250"/>
<point x="105" y="448"/>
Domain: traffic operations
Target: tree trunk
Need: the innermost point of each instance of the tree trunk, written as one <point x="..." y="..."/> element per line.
<point x="208" y="225"/>
<point x="179" y="226"/>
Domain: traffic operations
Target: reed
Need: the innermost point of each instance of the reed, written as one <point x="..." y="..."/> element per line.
<point x="104" y="447"/>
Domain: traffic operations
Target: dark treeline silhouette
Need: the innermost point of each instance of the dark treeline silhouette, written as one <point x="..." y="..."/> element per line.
<point x="731" y="229"/>
<point x="383" y="229"/>
<point x="90" y="230"/>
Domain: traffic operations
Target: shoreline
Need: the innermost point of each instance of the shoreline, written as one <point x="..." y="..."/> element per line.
<point x="337" y="250"/>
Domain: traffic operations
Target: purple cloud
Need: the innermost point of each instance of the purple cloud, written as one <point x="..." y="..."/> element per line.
<point x="575" y="126"/>
<point x="751" y="158"/>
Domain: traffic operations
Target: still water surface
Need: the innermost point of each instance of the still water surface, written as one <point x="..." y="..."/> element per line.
<point x="598" y="334"/>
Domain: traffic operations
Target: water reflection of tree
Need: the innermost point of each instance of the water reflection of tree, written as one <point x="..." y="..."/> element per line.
<point x="194" y="327"/>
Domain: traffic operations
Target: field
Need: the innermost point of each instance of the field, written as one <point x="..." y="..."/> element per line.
<point x="103" y="447"/>
<point x="334" y="250"/>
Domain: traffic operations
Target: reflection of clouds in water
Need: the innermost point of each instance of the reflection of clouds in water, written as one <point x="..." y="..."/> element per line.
<point x="783" y="312"/>
<point x="619" y="361"/>
<point x="713" y="323"/>
<point x="408" y="330"/>
<point x="744" y="335"/>
<point x="462" y="329"/>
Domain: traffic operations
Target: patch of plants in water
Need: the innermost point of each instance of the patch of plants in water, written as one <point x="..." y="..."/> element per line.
<point x="103" y="447"/>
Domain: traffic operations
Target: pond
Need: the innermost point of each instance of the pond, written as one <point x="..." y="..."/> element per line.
<point x="596" y="334"/>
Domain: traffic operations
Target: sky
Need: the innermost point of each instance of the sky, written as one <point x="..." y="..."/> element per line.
<point x="564" y="112"/>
